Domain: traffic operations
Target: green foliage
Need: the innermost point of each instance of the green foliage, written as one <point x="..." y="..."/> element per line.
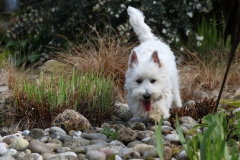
<point x="111" y="134"/>
<point x="159" y="138"/>
<point x="88" y="93"/>
<point x="213" y="141"/>
<point x="209" y="39"/>
<point x="44" y="26"/>
<point x="234" y="103"/>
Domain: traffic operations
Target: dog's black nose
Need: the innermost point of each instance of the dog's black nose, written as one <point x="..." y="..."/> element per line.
<point x="147" y="96"/>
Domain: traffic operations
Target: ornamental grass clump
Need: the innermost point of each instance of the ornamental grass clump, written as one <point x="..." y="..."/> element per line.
<point x="37" y="103"/>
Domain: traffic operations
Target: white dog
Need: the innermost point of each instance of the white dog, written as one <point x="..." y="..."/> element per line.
<point x="152" y="77"/>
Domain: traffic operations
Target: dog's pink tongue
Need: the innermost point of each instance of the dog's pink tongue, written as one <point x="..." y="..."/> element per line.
<point x="147" y="105"/>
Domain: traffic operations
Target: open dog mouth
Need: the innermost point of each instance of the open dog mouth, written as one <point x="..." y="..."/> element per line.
<point x="147" y="105"/>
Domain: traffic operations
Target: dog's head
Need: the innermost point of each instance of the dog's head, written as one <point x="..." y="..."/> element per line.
<point x="145" y="78"/>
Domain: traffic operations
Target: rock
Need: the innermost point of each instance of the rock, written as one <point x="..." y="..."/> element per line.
<point x="54" y="146"/>
<point x="201" y="95"/>
<point x="3" y="89"/>
<point x="125" y="116"/>
<point x="37" y="146"/>
<point x="71" y="120"/>
<point x="12" y="151"/>
<point x="93" y="136"/>
<point x="188" y="120"/>
<point x="1" y="138"/>
<point x="25" y="132"/>
<point x="174" y="138"/>
<point x="66" y="149"/>
<point x="144" y="134"/>
<point x="236" y="110"/>
<point x="183" y="156"/>
<point x="167" y="153"/>
<point x="165" y="128"/>
<point x="120" y="108"/>
<point x="96" y="155"/>
<point x="36" y="133"/>
<point x="48" y="156"/>
<point x="64" y="154"/>
<point x="126" y="135"/>
<point x="190" y="103"/>
<point x="19" y="144"/>
<point x="57" y="129"/>
<point x="7" y="157"/>
<point x="118" y="126"/>
<point x="237" y="94"/>
<point x="56" y="67"/>
<point x="34" y="156"/>
<point x="77" y="134"/>
<point x="132" y="144"/>
<point x="139" y="119"/>
<point x="150" y="153"/>
<point x="166" y="123"/>
<point x="76" y="142"/>
<point x="184" y="129"/>
<point x="105" y="125"/>
<point x="3" y="148"/>
<point x="138" y="126"/>
<point x="45" y="139"/>
<point x="129" y="153"/>
<point x="188" y="126"/>
<point x="108" y="151"/>
<point x="5" y="109"/>
<point x="142" y="148"/>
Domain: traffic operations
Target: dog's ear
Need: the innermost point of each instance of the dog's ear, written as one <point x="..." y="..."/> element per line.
<point x="155" y="58"/>
<point x="133" y="58"/>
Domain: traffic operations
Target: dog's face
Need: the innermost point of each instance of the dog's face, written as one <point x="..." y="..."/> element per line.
<point x="145" y="79"/>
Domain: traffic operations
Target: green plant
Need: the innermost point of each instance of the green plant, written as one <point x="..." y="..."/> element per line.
<point x="111" y="134"/>
<point x="209" y="39"/>
<point x="37" y="102"/>
<point x="212" y="142"/>
<point x="159" y="139"/>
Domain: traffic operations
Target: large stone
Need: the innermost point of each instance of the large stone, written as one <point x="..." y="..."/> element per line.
<point x="138" y="126"/>
<point x="37" y="146"/>
<point x="36" y="133"/>
<point x="19" y="144"/>
<point x="56" y="67"/>
<point x="126" y="135"/>
<point x="3" y="148"/>
<point x="237" y="94"/>
<point x="96" y="155"/>
<point x="71" y="120"/>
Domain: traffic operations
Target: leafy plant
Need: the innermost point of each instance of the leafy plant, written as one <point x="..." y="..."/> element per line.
<point x="111" y="134"/>
<point x="212" y="142"/>
<point x="36" y="103"/>
<point x="209" y="39"/>
<point x="159" y="139"/>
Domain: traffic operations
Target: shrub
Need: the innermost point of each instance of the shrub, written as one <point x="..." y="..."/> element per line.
<point x="36" y="103"/>
<point x="45" y="25"/>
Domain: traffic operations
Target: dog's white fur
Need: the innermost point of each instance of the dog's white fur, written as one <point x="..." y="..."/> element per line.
<point x="151" y="71"/>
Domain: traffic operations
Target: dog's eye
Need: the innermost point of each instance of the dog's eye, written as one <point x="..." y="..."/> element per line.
<point x="152" y="80"/>
<point x="139" y="81"/>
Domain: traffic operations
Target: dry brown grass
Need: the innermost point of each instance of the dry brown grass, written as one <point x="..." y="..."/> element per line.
<point x="105" y="54"/>
<point x="197" y="75"/>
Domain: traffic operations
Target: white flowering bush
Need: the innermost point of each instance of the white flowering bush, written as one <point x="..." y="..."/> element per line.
<point x="45" y="25"/>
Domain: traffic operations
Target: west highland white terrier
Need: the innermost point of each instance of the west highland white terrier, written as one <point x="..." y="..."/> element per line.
<point x="152" y="77"/>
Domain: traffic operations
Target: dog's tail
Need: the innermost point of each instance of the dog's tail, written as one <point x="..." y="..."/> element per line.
<point x="142" y="30"/>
